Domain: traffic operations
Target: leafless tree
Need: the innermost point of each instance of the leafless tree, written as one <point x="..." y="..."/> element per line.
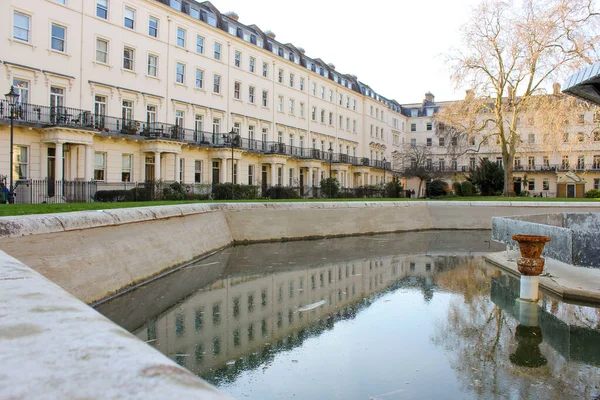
<point x="412" y="162"/>
<point x="511" y="52"/>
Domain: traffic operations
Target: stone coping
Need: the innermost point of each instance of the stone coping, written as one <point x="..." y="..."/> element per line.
<point x="570" y="283"/>
<point x="16" y="226"/>
<point x="55" y="346"/>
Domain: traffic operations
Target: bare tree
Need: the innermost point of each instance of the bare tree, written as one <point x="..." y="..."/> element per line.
<point x="413" y="162"/>
<point x="511" y="53"/>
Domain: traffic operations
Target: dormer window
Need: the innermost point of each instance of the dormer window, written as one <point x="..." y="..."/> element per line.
<point x="280" y="52"/>
<point x="176" y="4"/>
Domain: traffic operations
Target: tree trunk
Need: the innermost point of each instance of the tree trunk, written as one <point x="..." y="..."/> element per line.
<point x="509" y="186"/>
<point x="419" y="192"/>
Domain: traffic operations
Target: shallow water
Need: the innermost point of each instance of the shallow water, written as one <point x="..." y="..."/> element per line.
<point x="400" y="316"/>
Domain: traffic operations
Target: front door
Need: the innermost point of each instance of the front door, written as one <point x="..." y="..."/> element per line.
<point x="301" y="182"/>
<point x="51" y="165"/>
<point x="150" y="168"/>
<point x="264" y="178"/>
<point x="571" y="191"/>
<point x="517" y="186"/>
<point x="216" y="172"/>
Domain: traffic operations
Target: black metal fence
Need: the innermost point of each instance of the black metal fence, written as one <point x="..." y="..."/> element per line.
<point x="45" y="191"/>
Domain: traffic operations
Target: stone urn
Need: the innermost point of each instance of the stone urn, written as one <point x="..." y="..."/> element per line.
<point x="531" y="247"/>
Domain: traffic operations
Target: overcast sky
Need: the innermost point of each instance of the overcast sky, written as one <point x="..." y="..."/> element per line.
<point x="395" y="47"/>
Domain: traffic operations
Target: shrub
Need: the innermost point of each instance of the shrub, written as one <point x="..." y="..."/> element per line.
<point x="438" y="188"/>
<point x="593" y="194"/>
<point x="330" y="187"/>
<point x="489" y="177"/>
<point x="223" y="191"/>
<point x="466" y="189"/>
<point x="281" y="192"/>
<point x="175" y="191"/>
<point x="524" y="193"/>
<point x="393" y="189"/>
<point x="110" y="196"/>
<point x="457" y="188"/>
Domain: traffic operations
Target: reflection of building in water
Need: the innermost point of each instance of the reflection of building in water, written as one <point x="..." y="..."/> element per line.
<point x="238" y="315"/>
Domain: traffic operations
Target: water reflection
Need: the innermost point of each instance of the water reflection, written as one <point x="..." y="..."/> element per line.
<point x="367" y="312"/>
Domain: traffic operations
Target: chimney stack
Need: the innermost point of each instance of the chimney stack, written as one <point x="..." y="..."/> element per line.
<point x="233" y="15"/>
<point x="270" y="34"/>
<point x="429" y="97"/>
<point x="556" y="88"/>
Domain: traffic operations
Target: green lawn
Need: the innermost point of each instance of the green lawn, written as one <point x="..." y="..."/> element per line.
<point x="25" y="209"/>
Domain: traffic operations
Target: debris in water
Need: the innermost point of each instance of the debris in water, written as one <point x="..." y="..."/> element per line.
<point x="312" y="306"/>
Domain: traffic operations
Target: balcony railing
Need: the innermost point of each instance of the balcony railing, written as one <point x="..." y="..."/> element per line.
<point x="50" y="116"/>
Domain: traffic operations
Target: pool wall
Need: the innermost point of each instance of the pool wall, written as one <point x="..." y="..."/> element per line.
<point x="52" y="345"/>
<point x="95" y="254"/>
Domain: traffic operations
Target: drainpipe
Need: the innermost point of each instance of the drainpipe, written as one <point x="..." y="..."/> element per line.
<point x="168" y="100"/>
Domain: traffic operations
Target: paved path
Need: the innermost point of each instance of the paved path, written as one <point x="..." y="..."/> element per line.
<point x="569" y="282"/>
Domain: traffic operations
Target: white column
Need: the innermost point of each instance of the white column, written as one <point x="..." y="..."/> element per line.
<point x="43" y="161"/>
<point x="157" y="172"/>
<point x="273" y="174"/>
<point x="89" y="163"/>
<point x="224" y="170"/>
<point x="58" y="170"/>
<point x="176" y="168"/>
<point x="311" y="177"/>
<point x="362" y="179"/>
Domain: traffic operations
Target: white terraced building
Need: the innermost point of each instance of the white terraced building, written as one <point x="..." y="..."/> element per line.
<point x="124" y="91"/>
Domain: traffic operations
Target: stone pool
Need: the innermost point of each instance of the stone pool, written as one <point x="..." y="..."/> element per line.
<point x="415" y="315"/>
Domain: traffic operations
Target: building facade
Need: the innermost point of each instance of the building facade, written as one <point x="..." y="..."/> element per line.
<point x="139" y="90"/>
<point x="124" y="91"/>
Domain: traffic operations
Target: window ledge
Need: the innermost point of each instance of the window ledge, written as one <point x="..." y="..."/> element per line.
<point x="217" y="94"/>
<point x="264" y="108"/>
<point x="60" y="53"/>
<point x="197" y="89"/>
<point x="153" y="77"/>
<point x="101" y="64"/>
<point x="183" y="85"/>
<point x="129" y="71"/>
<point x="17" y="41"/>
<point x="238" y="100"/>
<point x="251" y="104"/>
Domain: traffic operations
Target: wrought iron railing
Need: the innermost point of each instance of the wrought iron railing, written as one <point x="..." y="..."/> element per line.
<point x="68" y="117"/>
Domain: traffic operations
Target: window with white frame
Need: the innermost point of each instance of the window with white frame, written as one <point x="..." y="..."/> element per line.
<point x="292" y="106"/>
<point x="354" y="105"/>
<point x="292" y="78"/>
<point x="322" y="92"/>
<point x="301" y="110"/>
<point x="250" y="174"/>
<point x="341" y="122"/>
<point x="237" y="61"/>
<point x="176" y="4"/>
<point x="251" y="91"/>
<point x="150" y="113"/>
<point x="280" y="75"/>
<point x="127" y="110"/>
<point x="199" y="79"/>
<point x="330" y="95"/>
<point x="102" y="9"/>
<point x="314" y="113"/>
<point x="22" y="88"/>
<point x="22" y="27"/>
<point x="99" y="166"/>
<point x="252" y="64"/>
<point x="330" y="118"/>
<point x="180" y="73"/>
<point x="199" y="123"/>
<point x="217" y="51"/>
<point x="20" y="162"/>
<point x="153" y="26"/>
<point x="180" y="118"/>
<point x="182" y="170"/>
<point x="126" y="167"/>
<point x="128" y="58"/>
<point x="251" y="129"/>
<point x="199" y="44"/>
<point x="181" y="37"/>
<point x="101" y="51"/>
<point x="280" y="104"/>
<point x="217" y="84"/>
<point x="265" y="98"/>
<point x="354" y="126"/>
<point x="129" y="18"/>
<point x="198" y="171"/>
<point x="100" y="110"/>
<point x="237" y="87"/>
<point x="152" y="65"/>
<point x="322" y="116"/>
<point x="216" y="125"/>
<point x="596" y="184"/>
<point x="302" y="84"/>
<point x="340" y="99"/>
<point x="314" y="89"/>
<point x="59" y="38"/>
<point x="265" y="70"/>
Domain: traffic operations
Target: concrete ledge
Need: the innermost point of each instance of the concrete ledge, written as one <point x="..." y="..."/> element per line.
<point x="53" y="346"/>
<point x="577" y="284"/>
<point x="95" y="254"/>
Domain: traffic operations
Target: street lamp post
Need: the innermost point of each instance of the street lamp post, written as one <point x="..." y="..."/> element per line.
<point x="11" y="97"/>
<point x="232" y="136"/>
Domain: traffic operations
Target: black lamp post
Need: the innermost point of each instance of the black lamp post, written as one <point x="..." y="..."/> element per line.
<point x="384" y="166"/>
<point x="12" y="98"/>
<point x="330" y="159"/>
<point x="232" y="135"/>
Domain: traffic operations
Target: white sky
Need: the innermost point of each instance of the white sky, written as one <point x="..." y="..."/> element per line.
<point x="395" y="47"/>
